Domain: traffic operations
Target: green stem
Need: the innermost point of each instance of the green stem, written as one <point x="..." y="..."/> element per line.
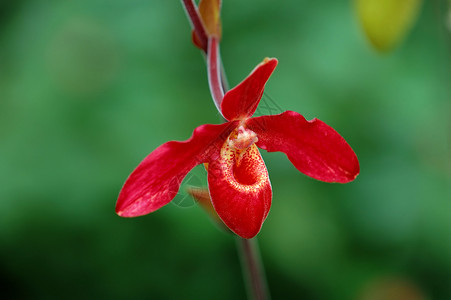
<point x="253" y="270"/>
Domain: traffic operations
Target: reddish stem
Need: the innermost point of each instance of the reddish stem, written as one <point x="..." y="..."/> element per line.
<point x="253" y="269"/>
<point x="196" y="23"/>
<point x="214" y="72"/>
<point x="250" y="256"/>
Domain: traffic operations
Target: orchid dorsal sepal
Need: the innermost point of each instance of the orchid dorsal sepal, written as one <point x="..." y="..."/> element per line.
<point x="242" y="101"/>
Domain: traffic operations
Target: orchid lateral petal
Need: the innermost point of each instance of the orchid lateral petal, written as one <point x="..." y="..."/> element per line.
<point x="386" y="22"/>
<point x="240" y="190"/>
<point x="210" y="12"/>
<point x="313" y="147"/>
<point x="242" y="101"/>
<point x="157" y="179"/>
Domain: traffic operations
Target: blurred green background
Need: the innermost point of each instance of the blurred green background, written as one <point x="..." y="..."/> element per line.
<point x="89" y="87"/>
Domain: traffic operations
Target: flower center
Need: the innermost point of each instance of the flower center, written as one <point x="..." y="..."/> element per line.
<point x="242" y="138"/>
<point x="244" y="169"/>
<point x="243" y="163"/>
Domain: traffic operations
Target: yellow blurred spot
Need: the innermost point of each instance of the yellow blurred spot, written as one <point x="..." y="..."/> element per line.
<point x="386" y="22"/>
<point x="391" y="288"/>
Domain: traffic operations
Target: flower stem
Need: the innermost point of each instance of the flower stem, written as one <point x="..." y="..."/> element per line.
<point x="224" y="81"/>
<point x="214" y="72"/>
<point x="253" y="271"/>
<point x="252" y="265"/>
<point x="196" y="23"/>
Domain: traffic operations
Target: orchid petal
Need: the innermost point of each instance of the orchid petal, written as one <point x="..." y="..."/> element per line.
<point x="242" y="101"/>
<point x="157" y="179"/>
<point x="313" y="147"/>
<point x="240" y="190"/>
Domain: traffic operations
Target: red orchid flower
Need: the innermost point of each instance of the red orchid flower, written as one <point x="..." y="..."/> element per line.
<point x="238" y="181"/>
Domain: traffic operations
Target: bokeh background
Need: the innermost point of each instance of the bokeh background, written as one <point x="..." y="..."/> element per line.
<point x="89" y="87"/>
